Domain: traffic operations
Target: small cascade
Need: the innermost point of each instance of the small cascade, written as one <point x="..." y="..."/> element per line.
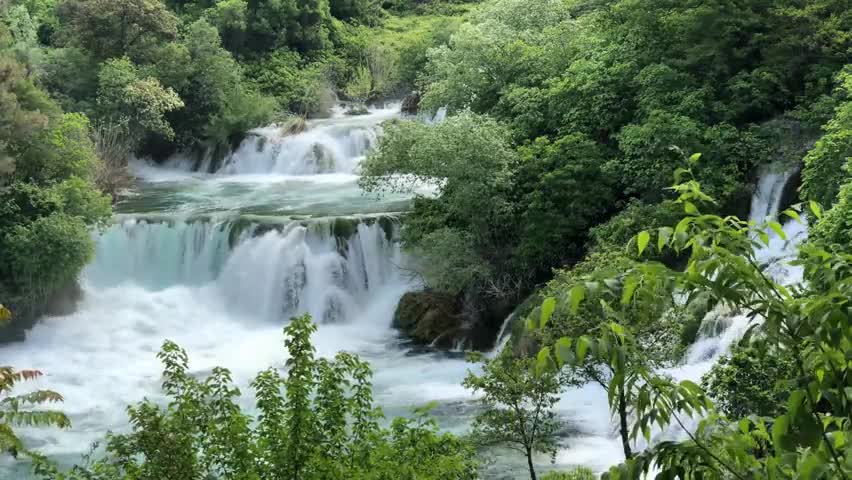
<point x="504" y="336"/>
<point x="327" y="146"/>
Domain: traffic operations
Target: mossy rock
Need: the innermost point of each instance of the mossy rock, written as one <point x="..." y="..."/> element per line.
<point x="427" y="316"/>
<point x="411" y="103"/>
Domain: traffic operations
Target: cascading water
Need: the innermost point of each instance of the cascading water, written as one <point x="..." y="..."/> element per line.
<point x="334" y="145"/>
<point x="597" y="446"/>
<point x="218" y="263"/>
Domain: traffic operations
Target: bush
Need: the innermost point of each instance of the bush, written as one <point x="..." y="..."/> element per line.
<point x="580" y="473"/>
<point x="754" y="379"/>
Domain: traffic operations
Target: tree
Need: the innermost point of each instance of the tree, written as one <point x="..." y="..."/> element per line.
<point x="139" y="105"/>
<point x="468" y="158"/>
<point x="835" y="228"/>
<point x="366" y="12"/>
<point x="47" y="199"/>
<point x="115" y="28"/>
<point x="554" y="178"/>
<point x="517" y="401"/>
<point x="753" y="379"/>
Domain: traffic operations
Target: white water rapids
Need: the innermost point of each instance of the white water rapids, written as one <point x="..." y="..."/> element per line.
<point x="218" y="262"/>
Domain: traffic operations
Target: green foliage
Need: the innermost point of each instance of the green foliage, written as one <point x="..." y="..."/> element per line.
<point x="821" y="177"/>
<point x="517" y="400"/>
<point x="752" y="379"/>
<point x="367" y="12"/>
<point x="448" y="261"/>
<point x="45" y="254"/>
<point x="138" y="104"/>
<point x="304" y="89"/>
<point x="63" y="150"/>
<point x="579" y="473"/>
<point x="835" y="228"/>
<point x="21" y="410"/>
<point x="806" y="322"/>
<point x="467" y="158"/>
<point x="316" y="420"/>
<point x="562" y="193"/>
<point x="361" y="85"/>
<point x="116" y="28"/>
<point x="637" y="216"/>
<point x="47" y="198"/>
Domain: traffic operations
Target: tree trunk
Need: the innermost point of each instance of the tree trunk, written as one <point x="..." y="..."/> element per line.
<point x="625" y="434"/>
<point x="530" y="463"/>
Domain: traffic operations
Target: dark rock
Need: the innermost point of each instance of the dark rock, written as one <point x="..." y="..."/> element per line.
<point x="411" y="103"/>
<point x="429" y="318"/>
<point x="25" y="314"/>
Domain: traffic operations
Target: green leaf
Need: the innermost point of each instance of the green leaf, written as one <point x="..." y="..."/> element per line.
<point x="543" y="359"/>
<point x="795" y="402"/>
<point x="694" y="158"/>
<point x="576" y="295"/>
<point x="547" y="308"/>
<point x="776" y="227"/>
<point x="563" y="350"/>
<point x="812" y="467"/>
<point x="792" y="214"/>
<point x="629" y="288"/>
<point x="816" y="209"/>
<point x="582" y="347"/>
<point x="690" y="208"/>
<point x="763" y="237"/>
<point x="779" y="430"/>
<point x="642" y="241"/>
<point x="663" y="236"/>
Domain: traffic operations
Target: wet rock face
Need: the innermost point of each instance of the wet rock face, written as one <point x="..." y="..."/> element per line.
<point x="428" y="318"/>
<point x="440" y="321"/>
<point x="411" y="103"/>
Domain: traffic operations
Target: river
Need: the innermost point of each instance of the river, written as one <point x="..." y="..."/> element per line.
<point x="217" y="262"/>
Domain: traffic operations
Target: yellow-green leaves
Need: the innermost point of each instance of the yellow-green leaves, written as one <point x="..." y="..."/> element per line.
<point x="776" y="227"/>
<point x="629" y="288"/>
<point x="663" y="236"/>
<point x="5" y="314"/>
<point x="642" y="241"/>
<point x="816" y="209"/>
<point x="576" y="296"/>
<point x="547" y="308"/>
<point x="694" y="158"/>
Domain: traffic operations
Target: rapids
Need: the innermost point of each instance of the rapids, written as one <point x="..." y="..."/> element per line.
<point x="217" y="262"/>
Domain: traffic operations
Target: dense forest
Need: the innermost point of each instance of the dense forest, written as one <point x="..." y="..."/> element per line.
<point x="592" y="171"/>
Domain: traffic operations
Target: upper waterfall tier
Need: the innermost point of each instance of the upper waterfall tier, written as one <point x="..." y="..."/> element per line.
<point x="332" y="145"/>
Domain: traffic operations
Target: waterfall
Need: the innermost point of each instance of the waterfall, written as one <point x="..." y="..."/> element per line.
<point x="307" y="269"/>
<point x="335" y="145"/>
<point x="327" y="268"/>
<point x="160" y="254"/>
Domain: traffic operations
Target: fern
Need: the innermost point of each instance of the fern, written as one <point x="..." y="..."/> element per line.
<point x="22" y="410"/>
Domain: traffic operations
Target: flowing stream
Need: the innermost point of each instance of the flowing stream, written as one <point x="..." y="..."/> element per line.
<point x="218" y="262"/>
